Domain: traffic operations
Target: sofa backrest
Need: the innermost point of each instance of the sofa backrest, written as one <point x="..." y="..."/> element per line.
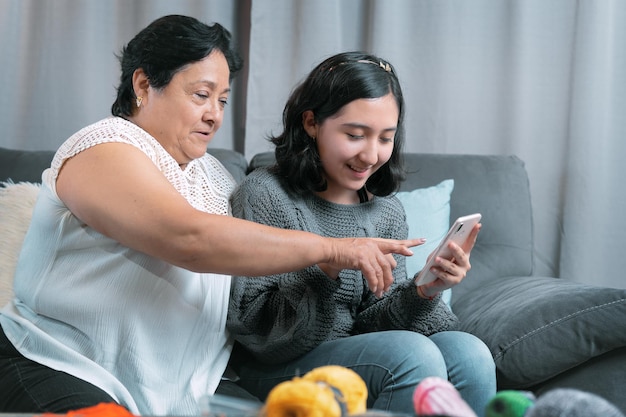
<point x="19" y="165"/>
<point x="495" y="186"/>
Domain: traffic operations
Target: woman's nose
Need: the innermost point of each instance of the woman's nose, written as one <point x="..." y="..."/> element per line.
<point x="212" y="113"/>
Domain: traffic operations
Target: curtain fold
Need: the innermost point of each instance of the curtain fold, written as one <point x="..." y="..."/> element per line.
<point x="593" y="234"/>
<point x="545" y="80"/>
<point x="60" y="68"/>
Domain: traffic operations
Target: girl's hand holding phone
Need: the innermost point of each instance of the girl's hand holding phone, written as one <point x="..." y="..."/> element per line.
<point x="449" y="263"/>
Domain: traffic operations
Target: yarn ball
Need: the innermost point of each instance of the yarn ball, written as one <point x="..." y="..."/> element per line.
<point x="349" y="383"/>
<point x="509" y="403"/>
<point x="301" y="397"/>
<point x="435" y="396"/>
<point x="327" y="391"/>
<point x="98" y="410"/>
<point x="571" y="402"/>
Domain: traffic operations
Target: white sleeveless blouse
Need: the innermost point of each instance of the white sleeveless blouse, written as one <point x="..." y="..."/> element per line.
<point x="150" y="334"/>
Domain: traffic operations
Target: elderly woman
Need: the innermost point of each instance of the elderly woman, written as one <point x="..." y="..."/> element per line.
<point x="122" y="285"/>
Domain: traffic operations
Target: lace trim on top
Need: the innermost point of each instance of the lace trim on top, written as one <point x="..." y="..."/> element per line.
<point x="206" y="184"/>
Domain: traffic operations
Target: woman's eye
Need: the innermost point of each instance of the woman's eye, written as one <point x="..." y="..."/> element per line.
<point x="202" y="95"/>
<point x="224" y="102"/>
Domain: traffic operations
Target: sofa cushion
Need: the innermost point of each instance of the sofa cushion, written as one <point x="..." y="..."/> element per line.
<point x="428" y="216"/>
<point x="16" y="208"/>
<point x="538" y="327"/>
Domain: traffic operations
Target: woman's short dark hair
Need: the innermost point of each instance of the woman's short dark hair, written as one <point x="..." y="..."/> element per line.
<point x="335" y="82"/>
<point x="163" y="48"/>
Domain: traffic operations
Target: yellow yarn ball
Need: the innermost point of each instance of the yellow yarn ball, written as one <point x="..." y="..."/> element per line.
<point x="302" y="398"/>
<point x="351" y="385"/>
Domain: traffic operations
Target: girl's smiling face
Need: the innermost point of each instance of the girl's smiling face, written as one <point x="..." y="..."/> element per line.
<point x="185" y="114"/>
<point x="353" y="144"/>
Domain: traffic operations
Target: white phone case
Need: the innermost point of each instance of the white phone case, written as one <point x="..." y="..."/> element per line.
<point x="458" y="233"/>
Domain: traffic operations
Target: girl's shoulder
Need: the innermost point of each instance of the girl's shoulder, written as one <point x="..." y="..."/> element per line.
<point x="261" y="179"/>
<point x="262" y="183"/>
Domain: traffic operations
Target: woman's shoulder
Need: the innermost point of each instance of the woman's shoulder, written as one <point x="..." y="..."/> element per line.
<point x="263" y="174"/>
<point x="110" y="129"/>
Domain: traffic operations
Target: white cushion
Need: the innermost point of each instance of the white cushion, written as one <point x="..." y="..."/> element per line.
<point x="16" y="208"/>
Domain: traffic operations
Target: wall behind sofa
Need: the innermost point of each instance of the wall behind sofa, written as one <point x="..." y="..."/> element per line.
<point x="543" y="80"/>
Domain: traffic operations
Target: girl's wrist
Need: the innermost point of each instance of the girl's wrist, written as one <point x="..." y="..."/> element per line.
<point x="422" y="294"/>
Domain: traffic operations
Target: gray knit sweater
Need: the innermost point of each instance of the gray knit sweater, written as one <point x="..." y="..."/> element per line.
<point x="280" y="317"/>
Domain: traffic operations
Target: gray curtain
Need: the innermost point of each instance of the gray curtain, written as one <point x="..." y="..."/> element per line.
<point x="542" y="79"/>
<point x="59" y="67"/>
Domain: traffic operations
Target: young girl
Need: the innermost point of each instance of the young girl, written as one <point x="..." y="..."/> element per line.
<point x="338" y="163"/>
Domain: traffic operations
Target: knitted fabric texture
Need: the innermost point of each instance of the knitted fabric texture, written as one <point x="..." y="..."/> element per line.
<point x="284" y="316"/>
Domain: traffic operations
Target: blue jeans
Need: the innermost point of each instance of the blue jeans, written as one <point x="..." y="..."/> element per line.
<point x="392" y="363"/>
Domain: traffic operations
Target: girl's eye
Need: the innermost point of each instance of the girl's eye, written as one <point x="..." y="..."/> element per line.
<point x="352" y="136"/>
<point x="386" y="140"/>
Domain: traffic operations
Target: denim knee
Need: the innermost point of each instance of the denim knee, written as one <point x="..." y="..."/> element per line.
<point x="471" y="368"/>
<point x="408" y="353"/>
<point x="466" y="353"/>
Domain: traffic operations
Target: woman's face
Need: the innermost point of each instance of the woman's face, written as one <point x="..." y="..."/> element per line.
<point x="354" y="143"/>
<point x="185" y="114"/>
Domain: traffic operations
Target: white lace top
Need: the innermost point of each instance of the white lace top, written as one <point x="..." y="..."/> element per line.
<point x="150" y="334"/>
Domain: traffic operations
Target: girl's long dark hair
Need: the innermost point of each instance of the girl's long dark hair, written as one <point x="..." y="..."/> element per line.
<point x="334" y="83"/>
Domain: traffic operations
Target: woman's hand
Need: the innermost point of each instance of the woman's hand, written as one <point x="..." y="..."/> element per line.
<point x="373" y="257"/>
<point x="451" y="272"/>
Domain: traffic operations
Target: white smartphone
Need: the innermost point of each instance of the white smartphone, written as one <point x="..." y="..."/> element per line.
<point x="458" y="233"/>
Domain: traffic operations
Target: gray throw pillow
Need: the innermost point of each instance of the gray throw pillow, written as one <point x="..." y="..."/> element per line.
<point x="538" y="327"/>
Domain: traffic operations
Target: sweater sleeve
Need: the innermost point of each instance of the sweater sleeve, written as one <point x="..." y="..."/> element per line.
<point x="401" y="308"/>
<point x="279" y="317"/>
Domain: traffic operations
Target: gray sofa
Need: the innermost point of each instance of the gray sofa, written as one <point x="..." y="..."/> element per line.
<point x="543" y="332"/>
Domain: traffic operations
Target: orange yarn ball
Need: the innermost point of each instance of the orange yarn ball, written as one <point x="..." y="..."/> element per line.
<point x="302" y="398"/>
<point x="348" y="382"/>
<point x="327" y="391"/>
